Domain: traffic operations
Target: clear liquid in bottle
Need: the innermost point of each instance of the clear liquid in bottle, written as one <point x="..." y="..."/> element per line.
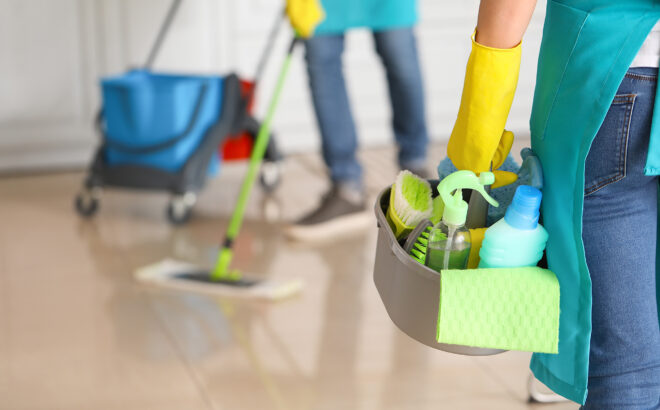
<point x="448" y="247"/>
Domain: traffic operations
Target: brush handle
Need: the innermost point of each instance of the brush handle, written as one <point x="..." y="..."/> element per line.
<point x="477" y="211"/>
<point x="221" y="270"/>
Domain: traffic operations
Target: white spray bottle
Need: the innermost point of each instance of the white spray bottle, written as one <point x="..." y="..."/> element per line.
<point x="449" y="243"/>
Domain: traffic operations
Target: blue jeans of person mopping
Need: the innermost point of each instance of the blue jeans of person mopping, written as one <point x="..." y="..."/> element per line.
<point x="619" y="234"/>
<point x="398" y="52"/>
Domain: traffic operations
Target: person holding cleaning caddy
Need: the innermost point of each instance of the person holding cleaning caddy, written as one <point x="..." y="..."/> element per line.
<point x="592" y="128"/>
<point x="342" y="209"/>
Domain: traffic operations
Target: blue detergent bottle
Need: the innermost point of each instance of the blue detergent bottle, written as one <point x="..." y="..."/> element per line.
<point x="518" y="239"/>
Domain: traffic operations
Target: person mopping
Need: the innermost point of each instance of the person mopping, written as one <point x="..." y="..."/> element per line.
<point x="342" y="210"/>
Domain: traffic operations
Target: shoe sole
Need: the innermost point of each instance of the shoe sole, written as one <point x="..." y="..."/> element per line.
<point x="336" y="228"/>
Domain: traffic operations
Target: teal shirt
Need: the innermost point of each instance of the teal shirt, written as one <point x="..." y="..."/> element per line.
<point x="342" y="15"/>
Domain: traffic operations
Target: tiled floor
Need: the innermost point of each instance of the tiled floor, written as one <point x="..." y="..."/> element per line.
<point x="76" y="332"/>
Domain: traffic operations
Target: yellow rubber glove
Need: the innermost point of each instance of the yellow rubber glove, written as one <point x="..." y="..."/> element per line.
<point x="304" y="15"/>
<point x="503" y="178"/>
<point x="491" y="77"/>
<point x="477" y="238"/>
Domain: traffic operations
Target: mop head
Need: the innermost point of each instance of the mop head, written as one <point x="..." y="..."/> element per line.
<point x="184" y="276"/>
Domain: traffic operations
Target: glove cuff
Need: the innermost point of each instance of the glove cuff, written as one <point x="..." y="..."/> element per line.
<point x="513" y="50"/>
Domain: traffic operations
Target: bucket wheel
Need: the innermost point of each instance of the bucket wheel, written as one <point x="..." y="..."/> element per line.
<point x="87" y="202"/>
<point x="270" y="176"/>
<point x="179" y="209"/>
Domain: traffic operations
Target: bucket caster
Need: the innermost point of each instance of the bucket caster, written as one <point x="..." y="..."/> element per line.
<point x="179" y="209"/>
<point x="87" y="203"/>
<point x="270" y="176"/>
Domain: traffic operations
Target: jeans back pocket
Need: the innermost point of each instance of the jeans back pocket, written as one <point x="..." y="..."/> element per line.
<point x="606" y="162"/>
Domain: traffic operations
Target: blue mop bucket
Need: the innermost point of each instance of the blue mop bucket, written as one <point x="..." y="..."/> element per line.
<point x="159" y="120"/>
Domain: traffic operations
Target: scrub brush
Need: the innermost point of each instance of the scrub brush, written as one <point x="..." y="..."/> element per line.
<point x="418" y="241"/>
<point x="410" y="203"/>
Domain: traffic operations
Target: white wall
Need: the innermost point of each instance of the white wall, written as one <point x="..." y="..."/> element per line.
<point x="53" y="51"/>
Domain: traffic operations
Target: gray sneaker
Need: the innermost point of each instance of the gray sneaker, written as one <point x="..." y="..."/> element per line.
<point x="342" y="212"/>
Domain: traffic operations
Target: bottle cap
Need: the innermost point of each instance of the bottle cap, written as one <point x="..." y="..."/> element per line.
<point x="523" y="213"/>
<point x="457" y="213"/>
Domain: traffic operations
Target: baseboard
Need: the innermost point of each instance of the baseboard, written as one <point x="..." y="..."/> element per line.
<point x="50" y="158"/>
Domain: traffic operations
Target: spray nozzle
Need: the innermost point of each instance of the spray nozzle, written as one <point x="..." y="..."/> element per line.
<point x="486" y="178"/>
<point x="450" y="189"/>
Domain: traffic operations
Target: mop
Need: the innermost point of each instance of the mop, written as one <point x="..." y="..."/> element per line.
<point x="221" y="280"/>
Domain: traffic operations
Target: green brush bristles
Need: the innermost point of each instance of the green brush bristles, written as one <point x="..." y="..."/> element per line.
<point x="418" y="252"/>
<point x="418" y="256"/>
<point x="416" y="191"/>
<point x="412" y="199"/>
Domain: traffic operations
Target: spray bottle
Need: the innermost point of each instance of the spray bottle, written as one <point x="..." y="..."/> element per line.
<point x="449" y="243"/>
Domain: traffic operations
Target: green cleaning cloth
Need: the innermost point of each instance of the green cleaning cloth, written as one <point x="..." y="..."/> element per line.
<point x="504" y="308"/>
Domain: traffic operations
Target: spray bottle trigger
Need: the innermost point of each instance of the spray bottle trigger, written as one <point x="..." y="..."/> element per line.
<point x="487" y="197"/>
<point x="450" y="190"/>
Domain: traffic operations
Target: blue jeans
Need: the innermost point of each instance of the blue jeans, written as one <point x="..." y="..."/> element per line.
<point x="398" y="52"/>
<point x="619" y="234"/>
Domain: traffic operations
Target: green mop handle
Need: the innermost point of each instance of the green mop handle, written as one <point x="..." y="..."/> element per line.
<point x="221" y="270"/>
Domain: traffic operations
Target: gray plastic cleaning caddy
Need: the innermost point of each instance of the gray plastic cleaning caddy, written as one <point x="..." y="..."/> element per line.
<point x="410" y="291"/>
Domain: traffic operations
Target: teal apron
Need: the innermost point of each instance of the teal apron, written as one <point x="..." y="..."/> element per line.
<point x="587" y="48"/>
<point x="342" y="15"/>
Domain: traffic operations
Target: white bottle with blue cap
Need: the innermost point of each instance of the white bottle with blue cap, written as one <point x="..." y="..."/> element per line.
<point x="518" y="239"/>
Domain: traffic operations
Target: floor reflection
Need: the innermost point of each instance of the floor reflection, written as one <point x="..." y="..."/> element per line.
<point x="86" y="335"/>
